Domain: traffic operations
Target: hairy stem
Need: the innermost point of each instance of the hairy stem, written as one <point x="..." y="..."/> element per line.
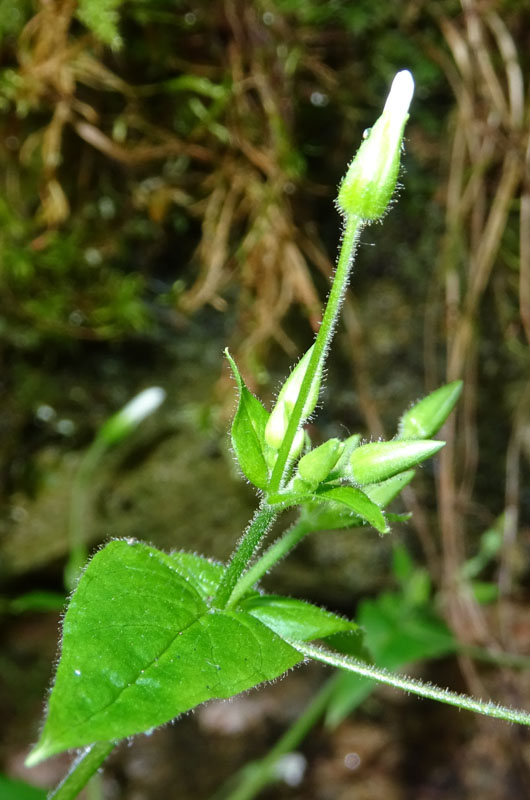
<point x="350" y="238"/>
<point x="275" y="553"/>
<point x="81" y="771"/>
<point x="349" y="664"/>
<point x="263" y="519"/>
<point x="80" y="511"/>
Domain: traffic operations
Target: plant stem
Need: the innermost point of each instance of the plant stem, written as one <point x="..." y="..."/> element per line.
<point x="350" y="238"/>
<point x="275" y="553"/>
<point x="256" y="776"/>
<point x="265" y="514"/>
<point x="81" y="771"/>
<point x="263" y="519"/>
<point x="80" y="511"/>
<point x="349" y="664"/>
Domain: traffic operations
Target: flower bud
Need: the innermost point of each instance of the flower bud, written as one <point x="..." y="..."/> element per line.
<point x="378" y="461"/>
<point x="316" y="465"/>
<point x="368" y="186"/>
<point x="426" y="417"/>
<point x="135" y="411"/>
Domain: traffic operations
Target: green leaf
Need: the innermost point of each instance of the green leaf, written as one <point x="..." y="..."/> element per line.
<point x="18" y="790"/>
<point x="286" y="499"/>
<point x="295" y="619"/>
<point x="329" y="516"/>
<point x="397" y="633"/>
<point x="484" y="592"/>
<point x="203" y="573"/>
<point x="426" y="418"/>
<point x="357" y="502"/>
<point x="378" y="461"/>
<point x="141" y="646"/>
<point x="248" y="433"/>
<point x="402" y="564"/>
<point x="37" y="601"/>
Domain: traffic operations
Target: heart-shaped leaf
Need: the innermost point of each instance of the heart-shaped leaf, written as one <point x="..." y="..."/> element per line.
<point x="141" y="646"/>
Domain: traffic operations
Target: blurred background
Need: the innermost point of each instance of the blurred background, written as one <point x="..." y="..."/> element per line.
<point x="168" y="171"/>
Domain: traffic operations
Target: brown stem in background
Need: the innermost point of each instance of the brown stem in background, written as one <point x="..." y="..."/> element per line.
<point x="484" y="177"/>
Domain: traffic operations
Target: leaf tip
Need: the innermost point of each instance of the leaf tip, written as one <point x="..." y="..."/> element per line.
<point x="39" y="753"/>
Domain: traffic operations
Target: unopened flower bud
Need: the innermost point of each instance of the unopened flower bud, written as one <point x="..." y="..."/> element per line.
<point x="316" y="465"/>
<point x="378" y="461"/>
<point x="129" y="417"/>
<point x="369" y="184"/>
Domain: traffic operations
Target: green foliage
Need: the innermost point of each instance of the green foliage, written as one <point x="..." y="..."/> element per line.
<point x="148" y="635"/>
<point x="18" y="790"/>
<point x="400" y="627"/>
<point x="358" y="502"/>
<point x="13" y="16"/>
<point x="489" y="548"/>
<point x="248" y="433"/>
<point x="61" y="286"/>
<point x="35" y="601"/>
<point x="141" y="645"/>
<point x="101" y="17"/>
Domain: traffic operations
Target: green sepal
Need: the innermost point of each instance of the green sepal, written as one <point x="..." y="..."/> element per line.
<point x="383" y="493"/>
<point x="342" y="469"/>
<point x="390" y="517"/>
<point x="295" y="619"/>
<point x="316" y="465"/>
<point x="248" y="433"/>
<point x="280" y="416"/>
<point x="426" y="417"/>
<point x="378" y="461"/>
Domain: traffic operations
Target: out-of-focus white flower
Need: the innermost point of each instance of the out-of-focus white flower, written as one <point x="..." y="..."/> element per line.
<point x="129" y="417"/>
